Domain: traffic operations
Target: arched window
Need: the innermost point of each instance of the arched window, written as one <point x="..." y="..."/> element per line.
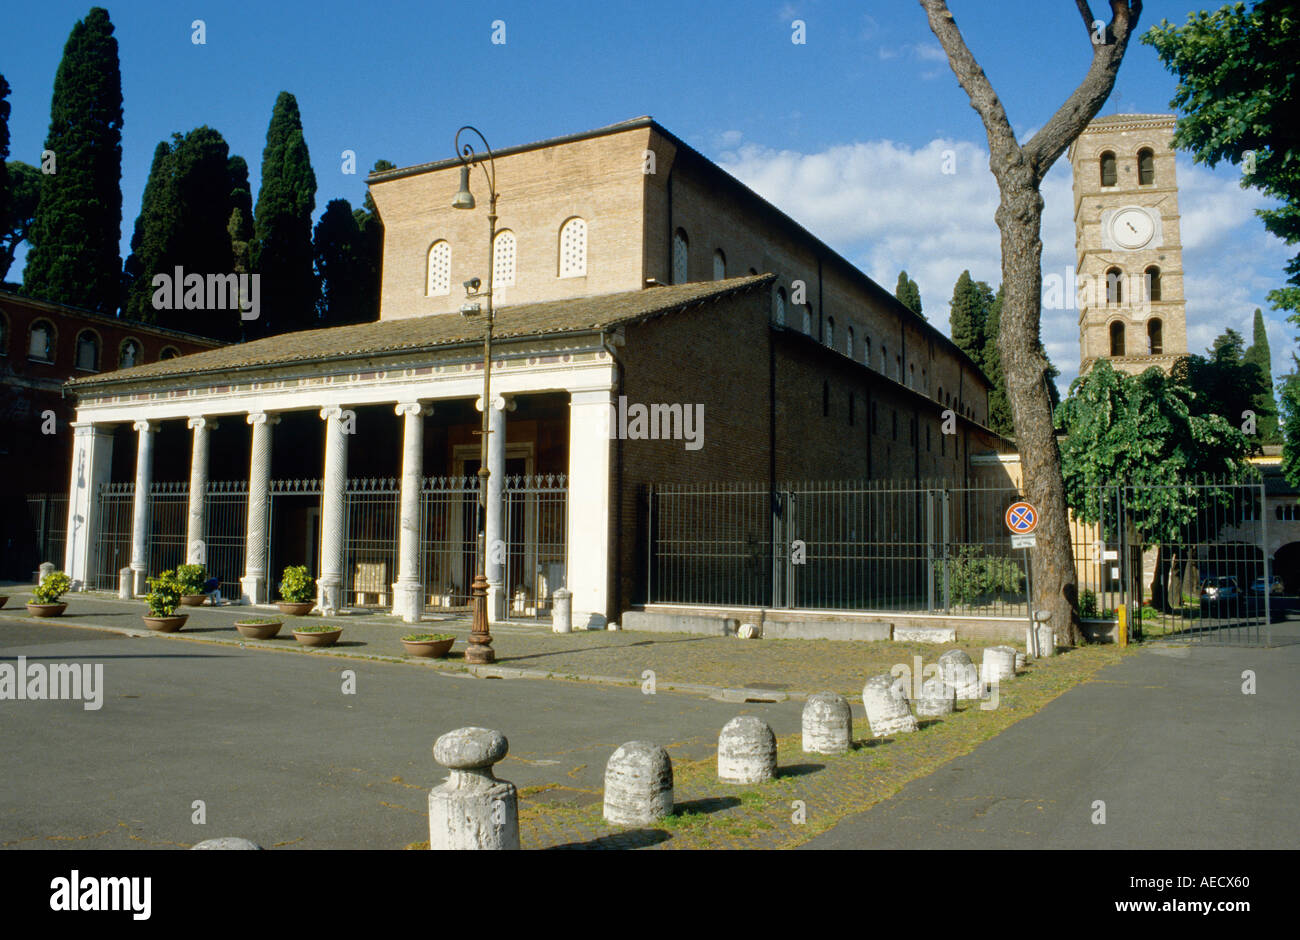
<point x="830" y="332"/>
<point x="438" y="283"/>
<point x="1114" y="286"/>
<point x="719" y="265"/>
<point x="87" y="351"/>
<point x="1117" y="338"/>
<point x="778" y="312"/>
<point x="807" y="319"/>
<point x="681" y="256"/>
<point x="503" y="259"/>
<point x="1153" y="282"/>
<point x="1146" y="167"/>
<point x="866" y="350"/>
<point x="167" y="353"/>
<point x="129" y="354"/>
<point x="884" y="359"/>
<point x="911" y="376"/>
<point x="40" y="341"/>
<point x="1108" y="175"/>
<point x="573" y="248"/>
<point x="1155" y="337"/>
<point x="848" y="345"/>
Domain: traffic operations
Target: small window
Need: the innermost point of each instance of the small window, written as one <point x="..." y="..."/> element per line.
<point x="807" y="319"/>
<point x="1146" y="167"/>
<point x="1117" y="338"/>
<point x="719" y="265"/>
<point x="1153" y="283"/>
<point x="1114" y="286"/>
<point x="573" y="248"/>
<point x="778" y="312"/>
<point x="681" y="256"/>
<point x="911" y="376"/>
<point x="940" y="393"/>
<point x="503" y="259"/>
<point x="1108" y="175"/>
<point x="129" y="354"/>
<point x="866" y="351"/>
<point x="438" y="283"/>
<point x="167" y="353"/>
<point x="87" y="351"/>
<point x="830" y="332"/>
<point x="884" y="359"/>
<point x="1155" y="337"/>
<point x="40" y="345"/>
<point x="848" y="344"/>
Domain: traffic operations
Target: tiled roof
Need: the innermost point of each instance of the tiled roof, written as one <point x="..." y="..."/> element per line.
<point x="553" y="317"/>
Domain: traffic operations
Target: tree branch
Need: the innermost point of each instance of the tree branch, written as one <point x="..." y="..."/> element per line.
<point x="1085" y="10"/>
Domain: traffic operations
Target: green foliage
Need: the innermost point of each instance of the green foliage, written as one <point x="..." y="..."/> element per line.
<point x="1237" y="92"/>
<point x="53" y="586"/>
<point x="282" y="249"/>
<point x="191" y="578"/>
<point x="1257" y="363"/>
<point x="1147" y="613"/>
<point x="968" y="315"/>
<point x="908" y="293"/>
<point x="16" y="218"/>
<point x="73" y="257"/>
<point x="164" y="594"/>
<point x="340" y="265"/>
<point x="972" y="574"/>
<point x="1151" y="431"/>
<point x="296" y="586"/>
<point x="999" y="406"/>
<point x="1289" y="407"/>
<point x="317" y="628"/>
<point x="428" y="637"/>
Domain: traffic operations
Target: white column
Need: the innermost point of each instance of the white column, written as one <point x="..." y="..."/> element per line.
<point x="408" y="592"/>
<point x="195" y="548"/>
<point x="588" y="571"/>
<point x="254" y="586"/>
<point x="329" y="586"/>
<point x="493" y="527"/>
<point x="92" y="464"/>
<point x="145" y="431"/>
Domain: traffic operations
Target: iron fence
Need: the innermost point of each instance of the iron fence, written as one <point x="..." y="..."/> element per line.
<point x="372" y="514"/>
<point x="225" y="534"/>
<point x="48" y="515"/>
<point x="536" y="536"/>
<point x="169" y="508"/>
<point x="112" y="549"/>
<point x="448" y="541"/>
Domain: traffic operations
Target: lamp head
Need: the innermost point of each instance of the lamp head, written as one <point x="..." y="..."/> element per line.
<point x="464" y="198"/>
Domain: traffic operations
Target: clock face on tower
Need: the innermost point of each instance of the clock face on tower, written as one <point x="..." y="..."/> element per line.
<point x="1131" y="228"/>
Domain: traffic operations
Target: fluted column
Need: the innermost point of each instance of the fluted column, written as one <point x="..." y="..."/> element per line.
<point x="494" y="529"/>
<point x="408" y="592"/>
<point x="255" y="586"/>
<point x="329" y="586"/>
<point x="145" y="431"/>
<point x="195" y="548"/>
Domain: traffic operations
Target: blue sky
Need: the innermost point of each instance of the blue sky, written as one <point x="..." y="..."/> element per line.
<point x="842" y="132"/>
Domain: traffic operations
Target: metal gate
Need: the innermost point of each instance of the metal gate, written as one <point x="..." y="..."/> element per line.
<point x="536" y="527"/>
<point x="225" y="534"/>
<point x="112" y="548"/>
<point x="448" y="540"/>
<point x="371" y="517"/>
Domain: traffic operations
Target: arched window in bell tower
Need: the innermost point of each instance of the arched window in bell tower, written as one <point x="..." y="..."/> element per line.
<point x="1153" y="282"/>
<point x="1108" y="173"/>
<point x="1146" y="167"/>
<point x="1155" y="337"/>
<point x="1117" y="338"/>
<point x="1114" y="286"/>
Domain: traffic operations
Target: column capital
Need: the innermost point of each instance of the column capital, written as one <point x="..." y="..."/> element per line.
<point x="591" y="396"/>
<point x="89" y="429"/>
<point x="262" y="417"/>
<point x="145" y="425"/>
<point x="331" y="411"/>
<point x="417" y="408"/>
<point x="499" y="403"/>
<point x="200" y="422"/>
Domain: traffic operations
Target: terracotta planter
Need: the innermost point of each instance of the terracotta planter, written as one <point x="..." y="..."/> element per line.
<point x="259" y="631"/>
<point x="46" y="610"/>
<point x="193" y="600"/>
<point x="295" y="608"/>
<point x="428" y="649"/>
<point x="318" y="639"/>
<point x="166" y="624"/>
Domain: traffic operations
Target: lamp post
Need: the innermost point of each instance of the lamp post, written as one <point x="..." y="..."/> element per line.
<point x="480" y="640"/>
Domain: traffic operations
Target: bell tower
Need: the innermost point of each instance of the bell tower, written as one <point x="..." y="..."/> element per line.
<point x="1127" y="242"/>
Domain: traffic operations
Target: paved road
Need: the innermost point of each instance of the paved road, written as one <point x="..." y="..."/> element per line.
<point x="1180" y="756"/>
<point x="279" y="755"/>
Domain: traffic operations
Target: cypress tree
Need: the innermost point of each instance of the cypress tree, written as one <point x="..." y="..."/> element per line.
<point x="908" y="293"/>
<point x="282" y="246"/>
<point x="991" y="361"/>
<point x="371" y="250"/>
<point x="4" y="150"/>
<point x="158" y="216"/>
<point x="337" y="245"/>
<point x="1258" y="361"/>
<point x="74" y="257"/>
<point x="967" y="315"/>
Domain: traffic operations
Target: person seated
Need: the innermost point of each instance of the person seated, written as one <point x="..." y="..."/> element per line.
<point x="211" y="589"/>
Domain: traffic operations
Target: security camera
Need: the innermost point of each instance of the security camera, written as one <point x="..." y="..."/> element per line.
<point x="472" y="285"/>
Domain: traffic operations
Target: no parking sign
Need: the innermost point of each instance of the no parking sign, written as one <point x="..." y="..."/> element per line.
<point x="1022" y="519"/>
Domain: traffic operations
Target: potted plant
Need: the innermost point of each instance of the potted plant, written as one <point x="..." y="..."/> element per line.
<point x="259" y="628"/>
<point x="163" y="598"/>
<point x="320" y="634"/>
<point x="191" y="579"/>
<point x="296" y="591"/>
<point x="45" y="599"/>
<point x="428" y="645"/>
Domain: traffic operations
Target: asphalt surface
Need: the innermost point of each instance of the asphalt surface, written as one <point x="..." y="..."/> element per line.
<point x="278" y="754"/>
<point x="1180" y="757"/>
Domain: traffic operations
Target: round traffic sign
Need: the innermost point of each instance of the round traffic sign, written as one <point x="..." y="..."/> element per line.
<point x="1022" y="518"/>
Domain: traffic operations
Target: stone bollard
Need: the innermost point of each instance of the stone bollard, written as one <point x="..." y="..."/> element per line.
<point x="1021" y="661"/>
<point x="562" y="612"/>
<point x="226" y="842"/>
<point x="638" y="784"/>
<point x="999" y="663"/>
<point x="746" y="751"/>
<point x="47" y="568"/>
<point x="827" y="724"/>
<point x="748" y="631"/>
<point x="885" y="699"/>
<point x="937" y="698"/>
<point x="960" y="675"/>
<point x="1040" y="641"/>
<point x="125" y="582"/>
<point x="472" y="809"/>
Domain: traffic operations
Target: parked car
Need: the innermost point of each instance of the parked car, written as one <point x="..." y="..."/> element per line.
<point x="1275" y="585"/>
<point x="1220" y="588"/>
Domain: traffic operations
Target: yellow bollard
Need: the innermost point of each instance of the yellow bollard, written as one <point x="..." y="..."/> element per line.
<point x="1123" y="626"/>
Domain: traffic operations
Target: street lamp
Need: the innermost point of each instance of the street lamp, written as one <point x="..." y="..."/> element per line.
<point x="480" y="640"/>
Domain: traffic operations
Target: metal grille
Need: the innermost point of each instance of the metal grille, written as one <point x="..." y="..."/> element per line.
<point x="49" y="520"/>
<point x="225" y="534"/>
<point x="305" y="494"/>
<point x="371" y="514"/>
<point x="169" y="506"/>
<point x="536" y="528"/>
<point x="448" y="526"/>
<point x="112" y="549"/>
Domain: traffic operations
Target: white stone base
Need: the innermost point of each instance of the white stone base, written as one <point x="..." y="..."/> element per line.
<point x="408" y="601"/>
<point x="253" y="589"/>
